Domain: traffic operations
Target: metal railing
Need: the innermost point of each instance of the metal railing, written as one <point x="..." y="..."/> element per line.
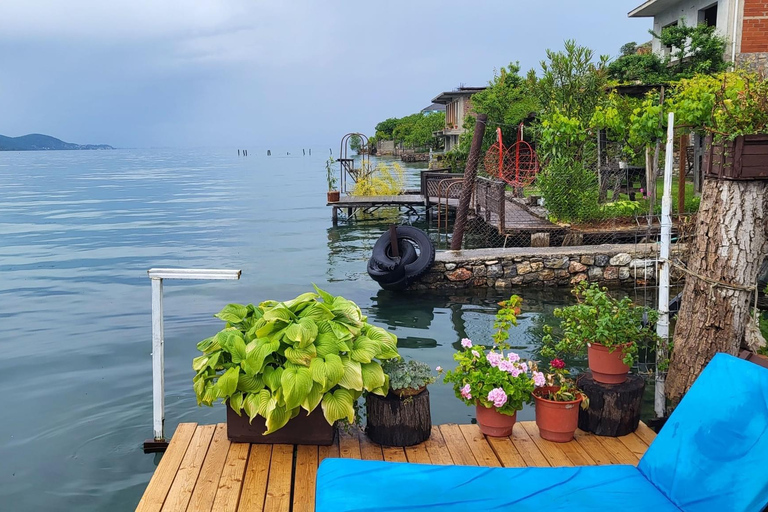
<point x="156" y="276"/>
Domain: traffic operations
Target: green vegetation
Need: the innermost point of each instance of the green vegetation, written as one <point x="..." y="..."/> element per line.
<point x="407" y="374"/>
<point x="414" y="131"/>
<point x="274" y="359"/>
<point x="384" y="180"/>
<point x="36" y="142"/>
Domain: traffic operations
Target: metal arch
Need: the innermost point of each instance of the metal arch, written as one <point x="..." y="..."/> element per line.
<point x="347" y="164"/>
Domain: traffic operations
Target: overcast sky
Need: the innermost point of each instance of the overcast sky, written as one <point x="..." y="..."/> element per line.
<point x="251" y="73"/>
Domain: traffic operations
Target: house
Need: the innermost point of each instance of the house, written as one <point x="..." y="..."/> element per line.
<point x="458" y="105"/>
<point x="435" y="107"/>
<point x="743" y="24"/>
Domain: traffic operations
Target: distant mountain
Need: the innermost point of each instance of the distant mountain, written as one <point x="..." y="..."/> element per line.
<point x="37" y="142"/>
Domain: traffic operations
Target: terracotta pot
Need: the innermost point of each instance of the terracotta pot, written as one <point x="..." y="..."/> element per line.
<point x="406" y="392"/>
<point x="302" y="429"/>
<point x="557" y="421"/>
<point x="493" y="423"/>
<point x="334" y="196"/>
<point x="607" y="367"/>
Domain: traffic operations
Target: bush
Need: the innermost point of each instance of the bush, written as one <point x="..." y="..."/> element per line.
<point x="570" y="191"/>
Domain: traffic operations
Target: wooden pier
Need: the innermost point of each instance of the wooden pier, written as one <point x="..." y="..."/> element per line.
<point x="203" y="471"/>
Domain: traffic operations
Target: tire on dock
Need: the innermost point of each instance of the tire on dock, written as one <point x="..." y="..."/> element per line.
<point x="417" y="255"/>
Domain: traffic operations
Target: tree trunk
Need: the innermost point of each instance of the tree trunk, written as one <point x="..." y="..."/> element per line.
<point x="395" y="421"/>
<point x="614" y="409"/>
<point x="729" y="247"/>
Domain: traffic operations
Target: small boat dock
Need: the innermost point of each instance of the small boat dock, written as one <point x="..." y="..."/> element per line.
<point x="203" y="471"/>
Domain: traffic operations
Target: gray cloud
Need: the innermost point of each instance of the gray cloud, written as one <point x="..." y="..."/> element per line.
<point x="255" y="73"/>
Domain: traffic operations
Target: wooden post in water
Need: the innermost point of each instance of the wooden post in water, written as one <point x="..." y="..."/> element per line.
<point x="470" y="173"/>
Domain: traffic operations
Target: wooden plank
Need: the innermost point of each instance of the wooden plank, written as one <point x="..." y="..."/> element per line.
<point x="616" y="448"/>
<point x="232" y="476"/>
<point x="527" y="448"/>
<point x="595" y="448"/>
<point x="484" y="454"/>
<point x="436" y="448"/>
<point x="576" y="454"/>
<point x="208" y="482"/>
<point x="417" y="454"/>
<point x="304" y="479"/>
<point x="184" y="483"/>
<point x="457" y="446"/>
<point x="256" y="476"/>
<point x="506" y="452"/>
<point x="394" y="454"/>
<point x="349" y="446"/>
<point x="645" y="433"/>
<point x="635" y="445"/>
<point x="157" y="489"/>
<point x="280" y="476"/>
<point x="368" y="449"/>
<point x="555" y="456"/>
<point x="329" y="452"/>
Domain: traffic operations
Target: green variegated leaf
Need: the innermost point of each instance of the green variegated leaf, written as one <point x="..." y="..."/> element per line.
<point x="227" y="383"/>
<point x="276" y="419"/>
<point x="237" y="350"/>
<point x="302" y="300"/>
<point x="338" y="406"/>
<point x="296" y="383"/>
<point x="373" y="376"/>
<point x="264" y="402"/>
<point x="210" y="394"/>
<point x="254" y="360"/>
<point x="343" y="346"/>
<point x="251" y="405"/>
<point x="324" y="327"/>
<point x="317" y="368"/>
<point x="208" y="345"/>
<point x="232" y="313"/>
<point x="353" y="375"/>
<point x="302" y="356"/>
<point x="334" y="369"/>
<point x="364" y="350"/>
<point x="341" y="331"/>
<point x="236" y="402"/>
<point x="313" y="398"/>
<point x="347" y="311"/>
<point x="302" y="332"/>
<point x="198" y="384"/>
<point x="327" y="297"/>
<point x="317" y="312"/>
<point x="267" y="329"/>
<point x="250" y="384"/>
<point x="228" y="338"/>
<point x="279" y="312"/>
<point x="272" y="377"/>
<point x="199" y="363"/>
<point x="325" y="344"/>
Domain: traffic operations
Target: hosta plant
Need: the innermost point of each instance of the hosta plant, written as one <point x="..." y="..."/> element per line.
<point x="278" y="359"/>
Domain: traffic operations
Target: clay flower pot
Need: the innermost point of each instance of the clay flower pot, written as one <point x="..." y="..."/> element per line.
<point x="334" y="196"/>
<point x="493" y="423"/>
<point x="607" y="367"/>
<point x="557" y="421"/>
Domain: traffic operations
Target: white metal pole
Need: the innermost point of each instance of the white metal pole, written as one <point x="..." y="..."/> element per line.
<point x="158" y="361"/>
<point x="662" y="326"/>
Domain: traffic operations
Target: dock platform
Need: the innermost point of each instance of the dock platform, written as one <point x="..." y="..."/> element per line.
<point x="203" y="471"/>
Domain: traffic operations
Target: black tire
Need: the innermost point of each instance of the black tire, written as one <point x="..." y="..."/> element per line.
<point x="426" y="256"/>
<point x="397" y="286"/>
<point x="383" y="276"/>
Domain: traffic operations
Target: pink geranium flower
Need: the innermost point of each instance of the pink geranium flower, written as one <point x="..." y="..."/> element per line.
<point x="513" y="357"/>
<point x="466" y="342"/>
<point x="476" y="353"/>
<point x="506" y="366"/>
<point x="494" y="359"/>
<point x="465" y="392"/>
<point x="538" y="379"/>
<point x="498" y="397"/>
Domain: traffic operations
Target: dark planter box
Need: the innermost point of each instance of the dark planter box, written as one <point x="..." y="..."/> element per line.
<point x="744" y="158"/>
<point x="302" y="429"/>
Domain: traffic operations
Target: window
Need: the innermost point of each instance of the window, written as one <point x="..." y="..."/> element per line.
<point x="708" y="16"/>
<point x="665" y="27"/>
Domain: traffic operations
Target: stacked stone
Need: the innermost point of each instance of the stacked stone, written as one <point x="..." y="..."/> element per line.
<point x="524" y="270"/>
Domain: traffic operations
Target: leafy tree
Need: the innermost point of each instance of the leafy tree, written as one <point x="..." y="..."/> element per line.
<point x="385" y="128"/>
<point x="695" y="50"/>
<point x="646" y="68"/>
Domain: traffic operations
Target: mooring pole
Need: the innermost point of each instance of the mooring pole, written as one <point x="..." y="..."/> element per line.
<point x="470" y="173"/>
<point x="393" y="241"/>
<point x="662" y="326"/>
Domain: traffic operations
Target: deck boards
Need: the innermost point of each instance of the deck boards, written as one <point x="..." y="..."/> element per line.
<point x="203" y="471"/>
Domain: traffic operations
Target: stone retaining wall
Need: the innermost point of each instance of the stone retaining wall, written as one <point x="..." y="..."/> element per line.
<point x="537" y="266"/>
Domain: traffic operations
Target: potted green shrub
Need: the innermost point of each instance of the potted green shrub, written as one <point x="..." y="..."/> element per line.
<point x="289" y="370"/>
<point x="403" y="417"/>
<point x="608" y="329"/>
<point x="333" y="194"/>
<point x="497" y="384"/>
<point x="557" y="404"/>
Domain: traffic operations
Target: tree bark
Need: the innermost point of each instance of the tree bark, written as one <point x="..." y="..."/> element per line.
<point x="395" y="421"/>
<point x="614" y="409"/>
<point x="729" y="247"/>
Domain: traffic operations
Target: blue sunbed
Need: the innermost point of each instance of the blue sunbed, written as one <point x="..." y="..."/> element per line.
<point x="712" y="455"/>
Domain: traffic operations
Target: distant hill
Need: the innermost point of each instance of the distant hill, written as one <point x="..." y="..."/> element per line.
<point x="38" y="142"/>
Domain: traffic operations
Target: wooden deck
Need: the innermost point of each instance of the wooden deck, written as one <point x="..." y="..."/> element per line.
<point x="202" y="470"/>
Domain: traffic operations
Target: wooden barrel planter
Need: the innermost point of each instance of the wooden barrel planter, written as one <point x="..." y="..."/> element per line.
<point x="614" y="409"/>
<point x="310" y="429"/>
<point x="396" y="421"/>
<point x="744" y="158"/>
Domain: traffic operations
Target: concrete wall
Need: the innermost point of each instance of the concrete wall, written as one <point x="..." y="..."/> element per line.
<point x="385" y="147"/>
<point x="536" y="266"/>
<point x="689" y="10"/>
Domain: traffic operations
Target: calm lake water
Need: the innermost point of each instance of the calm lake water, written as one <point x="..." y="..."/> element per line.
<point x="78" y="231"/>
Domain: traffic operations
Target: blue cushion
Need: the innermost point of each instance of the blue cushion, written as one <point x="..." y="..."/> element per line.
<point x="712" y="453"/>
<point x="357" y="485"/>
